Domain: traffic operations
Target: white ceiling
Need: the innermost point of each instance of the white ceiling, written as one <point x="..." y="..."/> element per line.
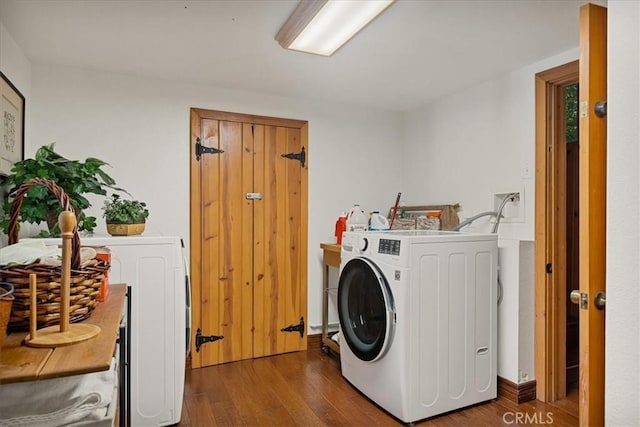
<point x="414" y="52"/>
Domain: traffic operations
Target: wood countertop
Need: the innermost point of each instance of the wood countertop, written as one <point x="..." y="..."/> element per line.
<point x="19" y="363"/>
<point x="332" y="247"/>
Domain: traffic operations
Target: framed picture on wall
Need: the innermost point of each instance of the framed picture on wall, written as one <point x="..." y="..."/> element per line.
<point x="11" y="125"/>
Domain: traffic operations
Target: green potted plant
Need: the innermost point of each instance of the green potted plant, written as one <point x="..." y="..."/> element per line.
<point x="76" y="178"/>
<point x="124" y="217"/>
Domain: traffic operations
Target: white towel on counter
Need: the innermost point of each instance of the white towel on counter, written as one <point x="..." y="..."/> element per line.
<point x="27" y="251"/>
<point x="58" y="401"/>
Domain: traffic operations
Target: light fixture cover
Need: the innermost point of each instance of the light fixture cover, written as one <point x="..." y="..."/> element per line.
<point x="322" y="26"/>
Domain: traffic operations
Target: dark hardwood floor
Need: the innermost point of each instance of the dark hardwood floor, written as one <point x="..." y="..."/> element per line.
<point x="307" y="389"/>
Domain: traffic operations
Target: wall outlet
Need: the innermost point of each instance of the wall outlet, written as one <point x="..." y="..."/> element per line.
<point x="523" y="377"/>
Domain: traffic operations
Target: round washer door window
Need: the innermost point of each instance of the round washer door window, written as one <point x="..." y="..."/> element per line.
<point x="365" y="309"/>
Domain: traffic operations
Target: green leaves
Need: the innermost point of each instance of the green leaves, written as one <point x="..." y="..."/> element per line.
<point x="75" y="177"/>
<point x="571" y="113"/>
<point x="117" y="210"/>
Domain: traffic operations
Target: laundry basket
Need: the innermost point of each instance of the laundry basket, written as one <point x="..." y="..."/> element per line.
<point x="86" y="278"/>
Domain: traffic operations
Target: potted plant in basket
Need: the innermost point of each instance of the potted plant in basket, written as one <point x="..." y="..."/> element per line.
<point x="124" y="217"/>
<point x="74" y="177"/>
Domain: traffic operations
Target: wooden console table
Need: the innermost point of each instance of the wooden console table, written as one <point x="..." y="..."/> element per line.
<point x="330" y="258"/>
<point x="20" y="363"/>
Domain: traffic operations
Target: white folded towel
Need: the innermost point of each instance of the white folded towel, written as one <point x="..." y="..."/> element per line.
<point x="58" y="401"/>
<point x="79" y="409"/>
<point x="26" y="251"/>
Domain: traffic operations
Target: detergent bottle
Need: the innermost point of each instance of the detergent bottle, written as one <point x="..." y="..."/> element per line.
<point x="341" y="227"/>
<point x="378" y="222"/>
<point x="356" y="219"/>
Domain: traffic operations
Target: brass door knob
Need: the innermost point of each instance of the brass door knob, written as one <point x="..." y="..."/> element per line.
<point x="579" y="298"/>
<point x="600" y="301"/>
<point x="575" y="296"/>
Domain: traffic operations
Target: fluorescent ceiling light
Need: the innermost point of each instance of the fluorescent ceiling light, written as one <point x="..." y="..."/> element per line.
<point x="322" y="26"/>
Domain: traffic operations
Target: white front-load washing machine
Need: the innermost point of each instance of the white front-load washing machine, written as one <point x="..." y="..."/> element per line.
<point x="417" y="314"/>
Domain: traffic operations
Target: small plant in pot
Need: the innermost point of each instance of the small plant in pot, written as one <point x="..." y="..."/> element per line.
<point x="124" y="217"/>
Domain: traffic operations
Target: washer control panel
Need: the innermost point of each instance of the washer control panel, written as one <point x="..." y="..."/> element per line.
<point x="389" y="247"/>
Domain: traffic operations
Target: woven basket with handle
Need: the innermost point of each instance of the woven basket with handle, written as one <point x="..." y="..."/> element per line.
<point x="86" y="278"/>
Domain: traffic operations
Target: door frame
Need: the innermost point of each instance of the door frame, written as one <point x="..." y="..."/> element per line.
<point x="592" y="234"/>
<point x="550" y="232"/>
<point x="195" y="226"/>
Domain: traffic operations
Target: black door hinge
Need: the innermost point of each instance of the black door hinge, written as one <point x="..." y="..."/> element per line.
<point x="201" y="149"/>
<point x="203" y="339"/>
<point x="301" y="156"/>
<point x="548" y="268"/>
<point x="295" y="328"/>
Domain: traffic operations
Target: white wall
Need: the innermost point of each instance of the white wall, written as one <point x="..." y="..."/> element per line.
<point x="141" y="127"/>
<point x="17" y="68"/>
<point x="477" y="142"/>
<point x="463" y="149"/>
<point x="622" y="379"/>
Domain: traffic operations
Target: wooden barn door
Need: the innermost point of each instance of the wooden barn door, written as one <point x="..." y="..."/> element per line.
<point x="248" y="236"/>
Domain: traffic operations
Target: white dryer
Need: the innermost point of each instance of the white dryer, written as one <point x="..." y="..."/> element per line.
<point x="417" y="314"/>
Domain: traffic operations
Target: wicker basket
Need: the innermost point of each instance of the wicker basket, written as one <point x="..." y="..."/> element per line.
<point x="86" y="278"/>
<point x="6" y="300"/>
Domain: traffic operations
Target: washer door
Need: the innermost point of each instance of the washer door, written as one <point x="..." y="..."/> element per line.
<point x="365" y="309"/>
